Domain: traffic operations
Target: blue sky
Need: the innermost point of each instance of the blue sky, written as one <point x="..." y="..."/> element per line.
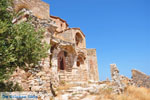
<point x="118" y="29"/>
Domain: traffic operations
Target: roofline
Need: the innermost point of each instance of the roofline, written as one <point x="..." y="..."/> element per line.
<point x="59" y="19"/>
<point x="74" y="29"/>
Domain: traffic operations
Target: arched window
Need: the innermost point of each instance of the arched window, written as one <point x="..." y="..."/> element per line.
<point x="79" y="40"/>
<point x="61" y="64"/>
<point x="80" y="60"/>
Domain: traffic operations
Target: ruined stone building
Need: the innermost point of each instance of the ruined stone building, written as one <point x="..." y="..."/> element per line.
<point x="69" y="60"/>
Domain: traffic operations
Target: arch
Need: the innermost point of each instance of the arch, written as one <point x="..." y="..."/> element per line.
<point x="62" y="60"/>
<point x="79" y="40"/>
<point x="80" y="60"/>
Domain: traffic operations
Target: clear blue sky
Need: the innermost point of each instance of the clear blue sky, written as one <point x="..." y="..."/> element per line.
<point x="118" y="29"/>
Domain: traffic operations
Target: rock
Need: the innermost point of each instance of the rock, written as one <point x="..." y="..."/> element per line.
<point x="118" y="85"/>
<point x="38" y="7"/>
<point x="35" y="88"/>
<point x="140" y="79"/>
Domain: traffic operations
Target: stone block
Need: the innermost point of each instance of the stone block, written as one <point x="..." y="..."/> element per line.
<point x="140" y="79"/>
<point x="39" y="8"/>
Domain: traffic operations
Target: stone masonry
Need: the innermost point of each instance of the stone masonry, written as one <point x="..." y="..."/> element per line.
<point x="68" y="61"/>
<point x="39" y="8"/>
<point x="140" y="79"/>
<point x="119" y="86"/>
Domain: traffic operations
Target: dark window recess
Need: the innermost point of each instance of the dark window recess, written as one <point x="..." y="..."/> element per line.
<point x="62" y="64"/>
<point x="65" y="53"/>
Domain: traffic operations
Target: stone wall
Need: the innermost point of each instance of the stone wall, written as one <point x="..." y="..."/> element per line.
<point x="39" y="8"/>
<point x="60" y="23"/>
<point x="75" y="69"/>
<point x="68" y="59"/>
<point x="92" y="65"/>
<point x="36" y="79"/>
<point x="140" y="79"/>
<point x="70" y="34"/>
<point x="40" y="77"/>
<point x="66" y="36"/>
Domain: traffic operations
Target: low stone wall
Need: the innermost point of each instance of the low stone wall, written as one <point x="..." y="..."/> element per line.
<point x="36" y="79"/>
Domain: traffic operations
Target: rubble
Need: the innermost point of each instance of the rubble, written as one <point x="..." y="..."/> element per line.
<point x="81" y="92"/>
<point x="119" y="86"/>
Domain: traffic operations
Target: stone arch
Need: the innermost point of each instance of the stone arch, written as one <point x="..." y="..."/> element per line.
<point x="79" y="40"/>
<point x="62" y="60"/>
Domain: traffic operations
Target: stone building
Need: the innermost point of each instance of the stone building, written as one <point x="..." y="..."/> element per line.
<point x="69" y="60"/>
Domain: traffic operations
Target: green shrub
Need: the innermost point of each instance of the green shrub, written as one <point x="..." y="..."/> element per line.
<point x="9" y="87"/>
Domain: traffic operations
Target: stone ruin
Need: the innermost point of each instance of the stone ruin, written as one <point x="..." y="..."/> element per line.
<point x="68" y="61"/>
<point x="118" y="85"/>
<point x="140" y="79"/>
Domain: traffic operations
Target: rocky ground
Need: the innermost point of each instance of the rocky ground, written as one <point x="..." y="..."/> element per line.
<point x="119" y="88"/>
<point x="100" y="91"/>
<point x="81" y="91"/>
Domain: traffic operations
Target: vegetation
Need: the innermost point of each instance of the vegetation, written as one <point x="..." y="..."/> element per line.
<point x="131" y="93"/>
<point x="9" y="87"/>
<point x="20" y="44"/>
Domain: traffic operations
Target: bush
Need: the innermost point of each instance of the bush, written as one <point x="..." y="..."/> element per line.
<point x="9" y="87"/>
<point x="20" y="44"/>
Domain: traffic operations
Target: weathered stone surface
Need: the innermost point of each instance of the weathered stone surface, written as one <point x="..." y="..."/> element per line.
<point x="140" y="79"/>
<point x="81" y="92"/>
<point x="116" y="79"/>
<point x="68" y="61"/>
<point x="39" y="8"/>
<point x="92" y="65"/>
<point x="126" y="80"/>
<point x="60" y="23"/>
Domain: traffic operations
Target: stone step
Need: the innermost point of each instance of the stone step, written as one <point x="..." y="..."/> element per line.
<point x="62" y="76"/>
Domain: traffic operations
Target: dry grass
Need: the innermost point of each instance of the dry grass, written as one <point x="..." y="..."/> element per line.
<point x="134" y="93"/>
<point x="65" y="87"/>
<point x="105" y="94"/>
<point x="131" y="93"/>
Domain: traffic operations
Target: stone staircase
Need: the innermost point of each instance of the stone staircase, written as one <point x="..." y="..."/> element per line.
<point x="65" y="75"/>
<point x="81" y="92"/>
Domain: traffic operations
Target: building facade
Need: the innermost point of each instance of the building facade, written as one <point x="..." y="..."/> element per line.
<point x="69" y="60"/>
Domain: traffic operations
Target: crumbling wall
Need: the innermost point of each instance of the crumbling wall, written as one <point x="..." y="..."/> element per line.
<point x="36" y="79"/>
<point x="140" y="79"/>
<point x="60" y="23"/>
<point x="80" y="63"/>
<point x="118" y="85"/>
<point x="39" y="8"/>
<point x="92" y="65"/>
<point x="40" y="77"/>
